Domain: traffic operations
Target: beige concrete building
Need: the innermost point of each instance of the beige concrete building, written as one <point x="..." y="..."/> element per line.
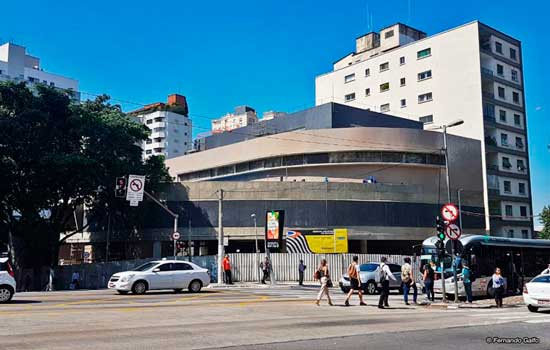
<point x="242" y="116"/>
<point x="472" y="72"/>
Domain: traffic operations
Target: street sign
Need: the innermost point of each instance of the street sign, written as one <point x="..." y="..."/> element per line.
<point x="459" y="248"/>
<point x="225" y="241"/>
<point x="453" y="231"/>
<point x="136" y="185"/>
<point x="176" y="236"/>
<point x="449" y="212"/>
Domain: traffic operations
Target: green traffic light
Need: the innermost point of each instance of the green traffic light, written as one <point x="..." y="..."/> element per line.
<point x="441" y="235"/>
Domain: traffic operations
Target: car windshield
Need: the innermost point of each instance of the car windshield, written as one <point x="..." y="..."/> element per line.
<point x="368" y="267"/>
<point x="145" y="266"/>
<point x="542" y="279"/>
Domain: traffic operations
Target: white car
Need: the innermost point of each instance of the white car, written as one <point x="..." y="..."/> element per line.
<point x="162" y="274"/>
<point x="7" y="281"/>
<point x="536" y="293"/>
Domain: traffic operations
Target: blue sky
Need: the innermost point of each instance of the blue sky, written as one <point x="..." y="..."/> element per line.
<point x="265" y="54"/>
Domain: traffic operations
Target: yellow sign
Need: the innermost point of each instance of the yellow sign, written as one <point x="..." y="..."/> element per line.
<point x="323" y="241"/>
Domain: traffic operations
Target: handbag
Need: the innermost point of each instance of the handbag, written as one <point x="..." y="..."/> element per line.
<point x="329" y="283"/>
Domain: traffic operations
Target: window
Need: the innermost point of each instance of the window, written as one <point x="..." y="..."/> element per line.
<point x="384" y="87"/>
<point x="521" y="165"/>
<point x="403" y="103"/>
<point x="424" y="53"/>
<point x="511" y="233"/>
<point x="350" y="97"/>
<point x="384" y="66"/>
<point x="502" y="115"/>
<point x="507" y="187"/>
<point x="517" y="119"/>
<point x="402" y="60"/>
<point x="515" y="97"/>
<point x="349" y="78"/>
<point x="148" y="151"/>
<point x="367" y="92"/>
<point x="523" y="211"/>
<point x="515" y="75"/>
<point x="501" y="92"/>
<point x="500" y="69"/>
<point x="388" y="34"/>
<point x="52" y="84"/>
<point x="150" y="121"/>
<point x="428" y="119"/>
<point x="521" y="188"/>
<point x="424" y="75"/>
<point x="367" y="72"/>
<point x="149" y="141"/>
<point x="519" y="142"/>
<point x="182" y="267"/>
<point x="509" y="211"/>
<point x="165" y="267"/>
<point x="498" y="47"/>
<point x="513" y="54"/>
<point x="504" y="139"/>
<point x="506" y="163"/>
<point x="525" y="234"/>
<point x="425" y="97"/>
<point x="385" y="107"/>
<point x="402" y="81"/>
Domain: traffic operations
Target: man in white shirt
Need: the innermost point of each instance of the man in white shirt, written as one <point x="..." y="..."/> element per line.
<point x="385" y="275"/>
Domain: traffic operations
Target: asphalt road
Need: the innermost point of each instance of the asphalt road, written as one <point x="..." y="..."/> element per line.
<point x="263" y="318"/>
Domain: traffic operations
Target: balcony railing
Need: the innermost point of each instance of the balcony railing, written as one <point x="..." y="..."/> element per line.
<point x="486" y="71"/>
<point x="490" y="141"/>
<point x="492" y="167"/>
<point x="490" y="118"/>
<point x="488" y="94"/>
<point x="493" y="191"/>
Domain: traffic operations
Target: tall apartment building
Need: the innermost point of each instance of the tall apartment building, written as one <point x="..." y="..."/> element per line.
<point x="171" y="128"/>
<point x="242" y="116"/>
<point x="472" y="72"/>
<point x="16" y="65"/>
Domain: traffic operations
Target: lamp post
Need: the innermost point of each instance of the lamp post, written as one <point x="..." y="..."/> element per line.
<point x="253" y="216"/>
<point x="445" y="149"/>
<point x="459" y="209"/>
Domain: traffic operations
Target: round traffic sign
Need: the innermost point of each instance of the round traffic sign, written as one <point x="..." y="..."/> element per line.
<point x="449" y="212"/>
<point x="136" y="185"/>
<point x="176" y="236"/>
<point x="453" y="231"/>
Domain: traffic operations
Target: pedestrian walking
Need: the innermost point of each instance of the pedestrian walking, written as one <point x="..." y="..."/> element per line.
<point x="355" y="281"/>
<point x="301" y="269"/>
<point x="266" y="268"/>
<point x="467" y="280"/>
<point x="75" y="280"/>
<point x="323" y="275"/>
<point x="408" y="281"/>
<point x="385" y="275"/>
<point x="428" y="278"/>
<point x="227" y="269"/>
<point x="498" y="287"/>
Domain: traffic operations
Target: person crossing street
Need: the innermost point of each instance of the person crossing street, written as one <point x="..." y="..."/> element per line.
<point x="385" y="275"/>
<point x="408" y="281"/>
<point x="355" y="281"/>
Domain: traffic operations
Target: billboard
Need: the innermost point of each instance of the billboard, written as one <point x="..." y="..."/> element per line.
<point x="274" y="226"/>
<point x="321" y="241"/>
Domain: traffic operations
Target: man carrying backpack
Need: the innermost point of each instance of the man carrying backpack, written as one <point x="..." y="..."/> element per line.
<point x="355" y="281"/>
<point x="384" y="275"/>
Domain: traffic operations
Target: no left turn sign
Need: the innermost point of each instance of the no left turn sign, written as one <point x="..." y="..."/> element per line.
<point x="453" y="232"/>
<point x="449" y="212"/>
<point x="134" y="192"/>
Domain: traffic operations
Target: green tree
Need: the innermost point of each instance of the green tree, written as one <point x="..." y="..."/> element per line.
<point x="545" y="221"/>
<point x="57" y="157"/>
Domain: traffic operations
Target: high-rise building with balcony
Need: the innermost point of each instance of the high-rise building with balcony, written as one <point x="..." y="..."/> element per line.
<point x="171" y="128"/>
<point x="16" y="65"/>
<point x="472" y="72"/>
<point x="242" y="116"/>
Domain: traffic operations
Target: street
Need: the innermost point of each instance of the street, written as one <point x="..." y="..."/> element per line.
<point x="281" y="317"/>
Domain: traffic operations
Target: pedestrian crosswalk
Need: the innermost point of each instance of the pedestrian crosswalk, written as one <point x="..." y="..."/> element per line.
<point x="517" y="315"/>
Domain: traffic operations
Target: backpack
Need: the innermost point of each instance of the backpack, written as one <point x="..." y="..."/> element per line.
<point x="406" y="273"/>
<point x="381" y="273"/>
<point x="352" y="271"/>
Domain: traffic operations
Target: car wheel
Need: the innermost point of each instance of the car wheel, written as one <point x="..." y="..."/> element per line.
<point x="123" y="292"/>
<point x="5" y="294"/>
<point x="178" y="290"/>
<point x="371" y="288"/>
<point x="345" y="290"/>
<point x="139" y="287"/>
<point x="532" y="308"/>
<point x="195" y="286"/>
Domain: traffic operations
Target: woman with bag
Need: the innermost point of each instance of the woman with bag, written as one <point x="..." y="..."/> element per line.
<point x="428" y="277"/>
<point x="498" y="287"/>
<point x="323" y="275"/>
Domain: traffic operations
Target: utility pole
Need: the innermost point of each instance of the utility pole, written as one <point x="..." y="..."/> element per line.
<point x="256" y="268"/>
<point x="459" y="209"/>
<point x="108" y="238"/>
<point x="174" y="215"/>
<point x="189" y="241"/>
<point x="220" y="236"/>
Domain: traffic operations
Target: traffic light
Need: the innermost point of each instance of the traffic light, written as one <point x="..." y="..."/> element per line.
<point x="440" y="248"/>
<point x="120" y="187"/>
<point x="440" y="228"/>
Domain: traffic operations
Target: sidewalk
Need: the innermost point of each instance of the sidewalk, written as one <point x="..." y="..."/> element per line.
<point x="282" y="284"/>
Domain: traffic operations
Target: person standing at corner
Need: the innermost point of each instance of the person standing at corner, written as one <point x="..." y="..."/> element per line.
<point x="466" y="279"/>
<point x="384" y="275"/>
<point x="428" y="277"/>
<point x="355" y="281"/>
<point x="498" y="286"/>
<point x="266" y="267"/>
<point x="227" y="269"/>
<point x="301" y="269"/>
<point x="323" y="275"/>
<point x="408" y="281"/>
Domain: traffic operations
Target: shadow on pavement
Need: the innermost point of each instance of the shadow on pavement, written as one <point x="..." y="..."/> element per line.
<point x="16" y="301"/>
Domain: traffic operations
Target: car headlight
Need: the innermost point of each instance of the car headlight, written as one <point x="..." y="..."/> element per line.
<point x="126" y="278"/>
